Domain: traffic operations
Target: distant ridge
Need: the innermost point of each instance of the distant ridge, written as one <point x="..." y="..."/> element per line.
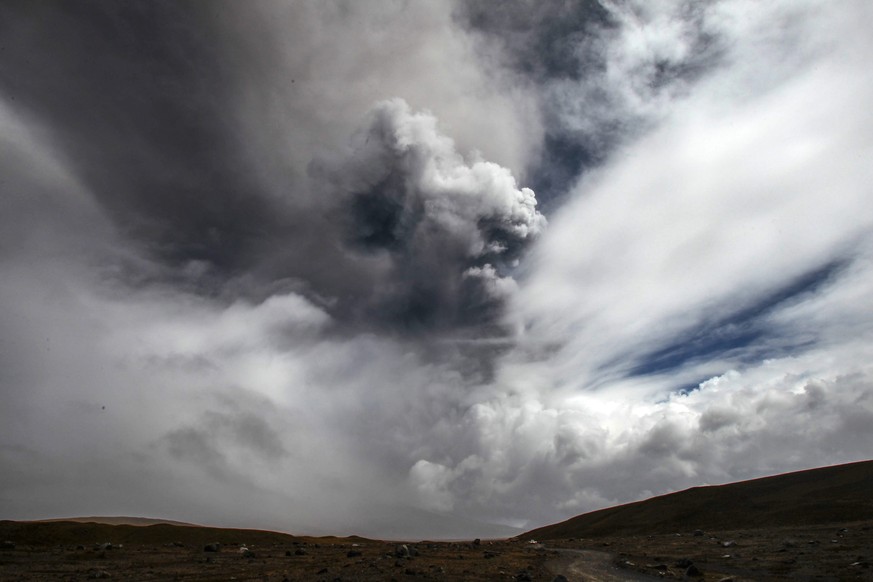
<point x="838" y="494"/>
<point x="52" y="532"/>
<point x="119" y="520"/>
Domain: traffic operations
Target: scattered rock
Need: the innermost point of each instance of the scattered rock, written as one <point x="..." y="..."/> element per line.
<point x="698" y="533"/>
<point x="560" y="578"/>
<point x="353" y="554"/>
<point x="288" y="553"/>
<point x="728" y="544"/>
<point x="299" y="552"/>
<point x="216" y="547"/>
<point x="95" y="574"/>
<point x="477" y="542"/>
<point x="249" y="554"/>
<point x="402" y="551"/>
<point x="524" y="576"/>
<point x="322" y="571"/>
<point x="726" y="579"/>
<point x="693" y="571"/>
<point x="7" y="545"/>
<point x="684" y="563"/>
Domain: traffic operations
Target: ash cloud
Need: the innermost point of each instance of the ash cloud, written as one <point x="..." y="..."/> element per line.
<point x="443" y="234"/>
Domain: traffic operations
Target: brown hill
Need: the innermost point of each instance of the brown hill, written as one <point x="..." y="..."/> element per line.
<point x="50" y="533"/>
<point x="839" y="494"/>
<point x="117" y="520"/>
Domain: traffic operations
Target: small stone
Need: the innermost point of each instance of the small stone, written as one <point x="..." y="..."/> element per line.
<point x="299" y="552"/>
<point x="216" y="547"/>
<point x="698" y="533"/>
<point x="728" y="544"/>
<point x="560" y="578"/>
<point x="353" y="554"/>
<point x="693" y="571"/>
<point x="402" y="551"/>
<point x="7" y="545"/>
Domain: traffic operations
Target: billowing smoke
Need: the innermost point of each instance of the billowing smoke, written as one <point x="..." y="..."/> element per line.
<point x="442" y="234"/>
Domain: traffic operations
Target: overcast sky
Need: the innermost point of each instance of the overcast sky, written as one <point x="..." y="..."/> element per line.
<point x="428" y="269"/>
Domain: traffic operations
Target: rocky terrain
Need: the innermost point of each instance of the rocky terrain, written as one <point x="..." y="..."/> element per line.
<point x="808" y="525"/>
<point x="811" y="525"/>
<point x="75" y="551"/>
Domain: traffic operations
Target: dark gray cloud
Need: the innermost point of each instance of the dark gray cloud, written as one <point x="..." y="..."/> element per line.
<point x="133" y="95"/>
<point x="442" y="234"/>
<point x="142" y="98"/>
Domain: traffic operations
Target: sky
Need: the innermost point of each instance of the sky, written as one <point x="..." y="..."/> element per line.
<point x="428" y="269"/>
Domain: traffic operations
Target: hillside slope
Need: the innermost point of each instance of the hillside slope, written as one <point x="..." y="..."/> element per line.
<point x="843" y="493"/>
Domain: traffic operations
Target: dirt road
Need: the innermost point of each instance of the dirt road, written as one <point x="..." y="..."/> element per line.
<point x="591" y="566"/>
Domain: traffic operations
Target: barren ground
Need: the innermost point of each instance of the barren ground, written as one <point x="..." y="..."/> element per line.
<point x="826" y="552"/>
